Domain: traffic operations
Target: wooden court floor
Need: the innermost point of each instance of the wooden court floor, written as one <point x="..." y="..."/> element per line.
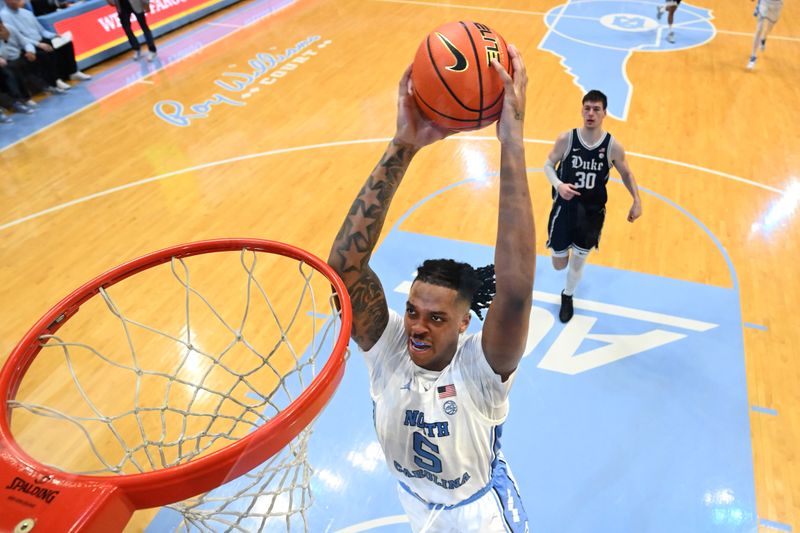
<point x="285" y="163"/>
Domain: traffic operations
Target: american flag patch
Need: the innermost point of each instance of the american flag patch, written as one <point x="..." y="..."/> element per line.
<point x="446" y="391"/>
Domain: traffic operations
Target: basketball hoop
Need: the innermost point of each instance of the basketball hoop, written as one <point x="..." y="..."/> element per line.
<point x="171" y="418"/>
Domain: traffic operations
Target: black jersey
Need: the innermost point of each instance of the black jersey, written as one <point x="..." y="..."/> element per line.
<point x="587" y="169"/>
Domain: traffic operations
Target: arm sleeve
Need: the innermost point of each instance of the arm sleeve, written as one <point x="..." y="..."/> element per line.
<point x="550" y="167"/>
<point x="550" y="173"/>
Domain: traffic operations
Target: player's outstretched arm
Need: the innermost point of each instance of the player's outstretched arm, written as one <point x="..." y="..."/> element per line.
<point x="618" y="158"/>
<point x="356" y="241"/>
<point x="358" y="236"/>
<point x="506" y="329"/>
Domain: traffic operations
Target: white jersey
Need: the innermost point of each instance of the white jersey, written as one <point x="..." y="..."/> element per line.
<point x="769" y="9"/>
<point x="439" y="430"/>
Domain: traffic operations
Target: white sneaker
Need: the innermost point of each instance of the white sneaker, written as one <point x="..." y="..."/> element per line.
<point x="5" y="119"/>
<point x="61" y="84"/>
<point x="31" y="103"/>
<point x="751" y="64"/>
<point x="151" y="56"/>
<point x="79" y="76"/>
<point x="671" y="37"/>
<point x="659" y="12"/>
<point x="21" y="108"/>
<point x="55" y="90"/>
<point x="137" y="55"/>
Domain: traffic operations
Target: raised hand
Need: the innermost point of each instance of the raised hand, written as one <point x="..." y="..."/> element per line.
<point x="413" y="128"/>
<point x="512" y="118"/>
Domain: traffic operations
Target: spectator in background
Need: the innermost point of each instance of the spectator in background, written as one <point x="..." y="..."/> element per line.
<point x="138" y="8"/>
<point x="5" y="102"/>
<point x="15" y="95"/>
<point x="43" y="7"/>
<point x="19" y="73"/>
<point x="56" y="62"/>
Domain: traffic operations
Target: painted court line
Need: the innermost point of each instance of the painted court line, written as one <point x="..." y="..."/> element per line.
<point x="476" y="8"/>
<point x="663" y="160"/>
<point x="541" y="13"/>
<point x="774" y="525"/>
<point x="601" y="307"/>
<point x="627" y="312"/>
<point x="371" y="524"/>
<point x="211" y="164"/>
<point x="223" y="25"/>
<point x="552" y="28"/>
<point x="745" y="34"/>
<point x="764" y="410"/>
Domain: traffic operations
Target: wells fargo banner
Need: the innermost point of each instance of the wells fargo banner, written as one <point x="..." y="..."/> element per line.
<point x="100" y="29"/>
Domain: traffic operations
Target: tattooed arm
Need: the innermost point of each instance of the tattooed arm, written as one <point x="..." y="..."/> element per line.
<point x="360" y="231"/>
<point x="357" y="238"/>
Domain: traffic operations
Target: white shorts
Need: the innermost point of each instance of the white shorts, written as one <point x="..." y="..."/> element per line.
<point x="498" y="510"/>
<point x="769" y="9"/>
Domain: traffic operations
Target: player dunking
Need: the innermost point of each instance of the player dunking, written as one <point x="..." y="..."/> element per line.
<point x="440" y="396"/>
<point x="584" y="157"/>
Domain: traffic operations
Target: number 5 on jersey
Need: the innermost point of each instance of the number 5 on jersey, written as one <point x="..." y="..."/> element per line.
<point x="425" y="451"/>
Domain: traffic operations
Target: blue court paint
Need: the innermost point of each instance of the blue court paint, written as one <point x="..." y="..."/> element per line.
<point x="765" y="410"/>
<point x="656" y="441"/>
<point x="774" y="525"/>
<point x="755" y="326"/>
<point x="596" y="38"/>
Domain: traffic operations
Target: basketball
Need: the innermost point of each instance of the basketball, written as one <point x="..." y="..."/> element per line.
<point x="454" y="82"/>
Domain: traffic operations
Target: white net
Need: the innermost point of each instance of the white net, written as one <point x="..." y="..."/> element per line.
<point x="273" y="497"/>
<point x="177" y="362"/>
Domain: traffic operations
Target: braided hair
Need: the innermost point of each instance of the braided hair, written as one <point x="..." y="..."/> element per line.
<point x="477" y="286"/>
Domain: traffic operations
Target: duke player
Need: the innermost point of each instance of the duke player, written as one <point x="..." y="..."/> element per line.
<point x="584" y="157"/>
<point x="440" y="397"/>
